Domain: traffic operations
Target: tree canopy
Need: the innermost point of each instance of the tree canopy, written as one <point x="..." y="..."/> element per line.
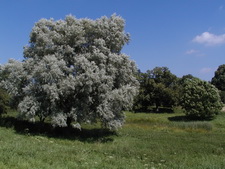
<point x="219" y="78"/>
<point x="73" y="71"/>
<point x="200" y="99"/>
<point x="219" y="81"/>
<point x="157" y="88"/>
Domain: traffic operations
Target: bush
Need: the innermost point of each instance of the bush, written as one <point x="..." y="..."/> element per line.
<point x="200" y="99"/>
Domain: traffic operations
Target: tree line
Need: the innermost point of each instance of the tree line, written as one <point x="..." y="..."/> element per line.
<point x="161" y="88"/>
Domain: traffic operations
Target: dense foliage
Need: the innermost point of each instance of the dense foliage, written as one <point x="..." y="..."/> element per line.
<point x="219" y="81"/>
<point x="200" y="99"/>
<point x="158" y="87"/>
<point x="219" y="78"/>
<point x="74" y="71"/>
<point x="4" y="101"/>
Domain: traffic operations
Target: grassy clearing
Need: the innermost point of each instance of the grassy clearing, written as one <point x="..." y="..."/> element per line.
<point x="165" y="140"/>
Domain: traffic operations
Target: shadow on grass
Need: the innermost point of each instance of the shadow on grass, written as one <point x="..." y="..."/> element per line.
<point x="179" y="118"/>
<point x="191" y="124"/>
<point x="187" y="119"/>
<point x="46" y="129"/>
<point x="153" y="110"/>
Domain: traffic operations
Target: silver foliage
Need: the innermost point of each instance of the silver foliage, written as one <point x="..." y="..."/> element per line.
<point x="74" y="71"/>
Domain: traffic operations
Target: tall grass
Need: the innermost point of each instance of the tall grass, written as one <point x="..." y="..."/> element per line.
<point x="193" y="126"/>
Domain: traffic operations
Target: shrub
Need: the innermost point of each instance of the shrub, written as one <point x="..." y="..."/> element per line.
<point x="200" y="99"/>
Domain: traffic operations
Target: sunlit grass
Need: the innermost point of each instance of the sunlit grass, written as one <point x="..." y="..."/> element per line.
<point x="147" y="140"/>
<point x="167" y="121"/>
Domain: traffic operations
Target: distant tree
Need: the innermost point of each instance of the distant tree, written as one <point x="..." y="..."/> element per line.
<point x="184" y="78"/>
<point x="200" y="99"/>
<point x="163" y="96"/>
<point x="145" y="98"/>
<point x="158" y="87"/>
<point x="219" y="78"/>
<point x="73" y="71"/>
<point x="165" y="93"/>
<point x="219" y="81"/>
<point x="162" y="75"/>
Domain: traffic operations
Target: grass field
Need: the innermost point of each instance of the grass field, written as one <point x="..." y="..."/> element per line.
<point x="147" y="140"/>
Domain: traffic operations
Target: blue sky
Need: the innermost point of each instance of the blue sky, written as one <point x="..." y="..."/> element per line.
<point x="187" y="36"/>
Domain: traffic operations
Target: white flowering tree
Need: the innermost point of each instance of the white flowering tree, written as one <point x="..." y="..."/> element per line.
<point x="73" y="71"/>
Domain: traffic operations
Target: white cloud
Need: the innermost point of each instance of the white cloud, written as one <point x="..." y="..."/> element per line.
<point x="191" y="51"/>
<point x="206" y="70"/>
<point x="194" y="52"/>
<point x="209" y="39"/>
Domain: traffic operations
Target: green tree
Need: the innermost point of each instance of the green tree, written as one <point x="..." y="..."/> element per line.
<point x="73" y="71"/>
<point x="158" y="87"/>
<point x="144" y="99"/>
<point x="222" y="96"/>
<point x="180" y="86"/>
<point x="184" y="78"/>
<point x="162" y="75"/>
<point x="219" y="81"/>
<point x="200" y="99"/>
<point x="219" y="78"/>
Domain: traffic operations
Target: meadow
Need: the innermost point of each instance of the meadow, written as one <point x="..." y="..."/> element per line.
<point x="147" y="140"/>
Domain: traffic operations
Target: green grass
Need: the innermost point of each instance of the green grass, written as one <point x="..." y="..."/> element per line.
<point x="147" y="140"/>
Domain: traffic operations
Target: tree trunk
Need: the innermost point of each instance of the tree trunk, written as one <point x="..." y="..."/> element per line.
<point x="157" y="107"/>
<point x="68" y="121"/>
<point x="41" y="118"/>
